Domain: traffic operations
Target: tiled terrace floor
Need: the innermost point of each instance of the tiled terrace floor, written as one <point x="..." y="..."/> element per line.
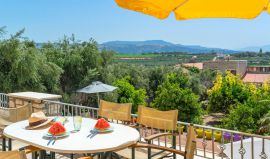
<point x="17" y="145"/>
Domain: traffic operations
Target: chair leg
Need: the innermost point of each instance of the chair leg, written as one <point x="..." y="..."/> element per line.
<point x="9" y="144"/>
<point x="115" y="156"/>
<point x="42" y="154"/>
<point x="3" y="144"/>
<point x="34" y="155"/>
<point x="133" y="152"/>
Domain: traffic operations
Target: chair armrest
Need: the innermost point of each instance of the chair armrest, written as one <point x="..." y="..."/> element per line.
<point x="134" y="126"/>
<point x="142" y="145"/>
<point x="86" y="157"/>
<point x="30" y="149"/>
<point x="151" y="137"/>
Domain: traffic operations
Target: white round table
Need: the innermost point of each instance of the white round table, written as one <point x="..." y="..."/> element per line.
<point x="122" y="137"/>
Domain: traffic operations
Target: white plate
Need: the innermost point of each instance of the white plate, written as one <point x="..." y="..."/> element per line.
<point x="110" y="129"/>
<point x="48" y="135"/>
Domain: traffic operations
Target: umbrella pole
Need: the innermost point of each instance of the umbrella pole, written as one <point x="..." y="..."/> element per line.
<point x="98" y="99"/>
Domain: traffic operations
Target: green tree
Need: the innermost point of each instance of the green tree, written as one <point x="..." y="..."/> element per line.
<point x="241" y="119"/>
<point x="24" y="68"/>
<point x="128" y="94"/>
<point x="172" y="94"/>
<point x="265" y="123"/>
<point x="226" y="92"/>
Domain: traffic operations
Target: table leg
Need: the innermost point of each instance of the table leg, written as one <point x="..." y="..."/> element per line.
<point x="52" y="155"/>
<point x="103" y="156"/>
<point x="109" y="155"/>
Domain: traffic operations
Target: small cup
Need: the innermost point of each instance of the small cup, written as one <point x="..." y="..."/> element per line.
<point x="77" y="123"/>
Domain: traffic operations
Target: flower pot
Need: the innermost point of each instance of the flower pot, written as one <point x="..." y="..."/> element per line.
<point x="227" y="136"/>
<point x="182" y="127"/>
<point x="218" y="136"/>
<point x="199" y="133"/>
<point x="236" y="137"/>
<point x="208" y="135"/>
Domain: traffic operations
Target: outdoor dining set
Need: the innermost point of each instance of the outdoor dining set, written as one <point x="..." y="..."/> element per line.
<point x="112" y="135"/>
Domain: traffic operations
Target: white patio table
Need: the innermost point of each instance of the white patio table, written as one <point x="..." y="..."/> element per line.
<point x="121" y="137"/>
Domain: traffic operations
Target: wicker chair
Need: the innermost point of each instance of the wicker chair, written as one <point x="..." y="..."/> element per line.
<point x="11" y="115"/>
<point x="13" y="155"/>
<point x="115" y="111"/>
<point x="150" y="119"/>
<point x="187" y="154"/>
<point x="16" y="154"/>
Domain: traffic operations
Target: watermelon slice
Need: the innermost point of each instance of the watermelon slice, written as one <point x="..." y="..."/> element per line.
<point x="57" y="129"/>
<point x="102" y="124"/>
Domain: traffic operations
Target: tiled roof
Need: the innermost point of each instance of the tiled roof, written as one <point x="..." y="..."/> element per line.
<point x="197" y="65"/>
<point x="256" y="78"/>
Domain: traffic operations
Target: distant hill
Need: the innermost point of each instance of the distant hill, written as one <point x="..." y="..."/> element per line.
<point x="150" y="46"/>
<point x="265" y="48"/>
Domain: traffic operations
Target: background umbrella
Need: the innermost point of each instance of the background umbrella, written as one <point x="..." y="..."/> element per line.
<point x="190" y="9"/>
<point x="97" y="87"/>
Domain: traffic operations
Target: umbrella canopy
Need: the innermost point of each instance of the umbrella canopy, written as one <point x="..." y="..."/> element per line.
<point x="191" y="9"/>
<point x="97" y="87"/>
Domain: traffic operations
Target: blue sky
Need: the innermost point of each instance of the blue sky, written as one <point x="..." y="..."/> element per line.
<point x="103" y="20"/>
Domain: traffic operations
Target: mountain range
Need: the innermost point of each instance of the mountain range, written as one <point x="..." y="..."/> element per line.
<point x="158" y="46"/>
<point x="265" y="48"/>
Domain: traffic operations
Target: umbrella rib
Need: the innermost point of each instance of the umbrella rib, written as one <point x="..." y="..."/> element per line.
<point x="183" y="4"/>
<point x="267" y="5"/>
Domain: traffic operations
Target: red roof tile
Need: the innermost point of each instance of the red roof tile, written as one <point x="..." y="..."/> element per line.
<point x="256" y="78"/>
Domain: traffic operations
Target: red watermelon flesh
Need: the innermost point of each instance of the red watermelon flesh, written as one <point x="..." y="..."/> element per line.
<point x="57" y="129"/>
<point x="102" y="124"/>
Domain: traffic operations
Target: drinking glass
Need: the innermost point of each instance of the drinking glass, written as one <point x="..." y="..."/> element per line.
<point x="77" y="123"/>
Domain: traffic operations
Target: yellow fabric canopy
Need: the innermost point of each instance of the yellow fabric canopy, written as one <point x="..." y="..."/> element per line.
<point x="191" y="9"/>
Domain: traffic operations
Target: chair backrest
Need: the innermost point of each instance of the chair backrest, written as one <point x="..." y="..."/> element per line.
<point x="164" y="120"/>
<point x="13" y="155"/>
<point x="115" y="111"/>
<point x="16" y="114"/>
<point x="190" y="143"/>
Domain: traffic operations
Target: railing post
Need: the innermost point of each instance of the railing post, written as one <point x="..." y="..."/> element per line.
<point x="174" y="145"/>
<point x="149" y="151"/>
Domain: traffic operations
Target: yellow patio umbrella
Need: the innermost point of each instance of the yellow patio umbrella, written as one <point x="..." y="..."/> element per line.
<point x="192" y="9"/>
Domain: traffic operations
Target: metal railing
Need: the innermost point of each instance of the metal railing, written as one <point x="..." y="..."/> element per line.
<point x="4" y="100"/>
<point x="212" y="142"/>
<point x="54" y="108"/>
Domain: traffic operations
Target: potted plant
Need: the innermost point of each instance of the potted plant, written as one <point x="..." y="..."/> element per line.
<point x="218" y="136"/>
<point x="181" y="128"/>
<point x="199" y="132"/>
<point x="208" y="134"/>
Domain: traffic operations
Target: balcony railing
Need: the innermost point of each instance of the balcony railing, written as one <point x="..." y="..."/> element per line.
<point x="212" y="142"/>
<point x="3" y="100"/>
